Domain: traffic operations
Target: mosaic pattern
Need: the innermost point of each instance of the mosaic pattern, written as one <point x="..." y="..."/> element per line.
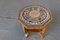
<point x="34" y="15"/>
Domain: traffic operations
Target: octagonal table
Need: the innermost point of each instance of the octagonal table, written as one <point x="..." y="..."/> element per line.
<point x="34" y="18"/>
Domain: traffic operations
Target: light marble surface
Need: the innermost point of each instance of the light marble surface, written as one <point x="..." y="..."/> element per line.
<point x="10" y="28"/>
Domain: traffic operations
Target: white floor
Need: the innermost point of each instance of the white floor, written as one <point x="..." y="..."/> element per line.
<point x="10" y="28"/>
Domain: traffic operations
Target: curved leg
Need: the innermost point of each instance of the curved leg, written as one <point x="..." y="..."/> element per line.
<point x="42" y="32"/>
<point x="26" y="33"/>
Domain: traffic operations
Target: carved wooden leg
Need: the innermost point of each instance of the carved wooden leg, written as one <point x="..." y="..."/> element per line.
<point x="27" y="33"/>
<point x="42" y="32"/>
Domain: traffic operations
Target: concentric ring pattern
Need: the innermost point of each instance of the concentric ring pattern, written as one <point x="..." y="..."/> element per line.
<point x="34" y="15"/>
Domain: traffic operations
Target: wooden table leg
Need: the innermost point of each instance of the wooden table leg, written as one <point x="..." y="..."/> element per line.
<point x="27" y="33"/>
<point x="42" y="32"/>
